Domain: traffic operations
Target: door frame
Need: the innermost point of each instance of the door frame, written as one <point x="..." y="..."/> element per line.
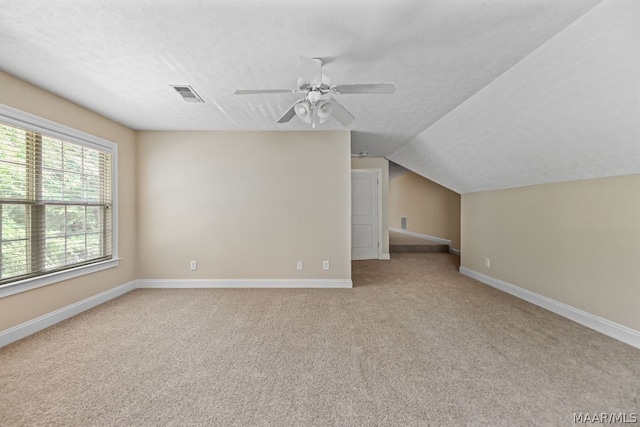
<point x="378" y="173"/>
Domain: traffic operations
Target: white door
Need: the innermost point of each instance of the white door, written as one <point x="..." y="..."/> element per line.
<point x="365" y="239"/>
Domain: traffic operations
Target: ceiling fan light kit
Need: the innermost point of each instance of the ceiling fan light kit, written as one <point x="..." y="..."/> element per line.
<point x="318" y="106"/>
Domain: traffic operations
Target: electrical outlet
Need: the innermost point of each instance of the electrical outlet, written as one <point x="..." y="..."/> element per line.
<point x="325" y="265"/>
<point x="487" y="262"/>
<point x="300" y="265"/>
<point x="193" y="265"/>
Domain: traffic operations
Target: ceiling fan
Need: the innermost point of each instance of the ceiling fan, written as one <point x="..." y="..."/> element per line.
<point x="318" y="105"/>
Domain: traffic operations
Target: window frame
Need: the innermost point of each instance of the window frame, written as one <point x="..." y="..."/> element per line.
<point x="31" y="122"/>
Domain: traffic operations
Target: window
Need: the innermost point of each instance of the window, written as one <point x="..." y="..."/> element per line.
<point x="56" y="200"/>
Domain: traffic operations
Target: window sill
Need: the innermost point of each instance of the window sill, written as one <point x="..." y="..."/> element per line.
<point x="59" y="276"/>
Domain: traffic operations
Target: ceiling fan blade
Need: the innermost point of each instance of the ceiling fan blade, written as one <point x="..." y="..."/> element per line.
<point x="261" y="91"/>
<point x="290" y="114"/>
<point x="312" y="70"/>
<point x="340" y="113"/>
<point x="365" y="88"/>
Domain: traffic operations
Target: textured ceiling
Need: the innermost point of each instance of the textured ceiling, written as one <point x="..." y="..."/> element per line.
<point x="569" y="111"/>
<point x="480" y="83"/>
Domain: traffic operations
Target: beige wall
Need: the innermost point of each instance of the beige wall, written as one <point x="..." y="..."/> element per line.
<point x="19" y="308"/>
<point x="244" y="205"/>
<point x="577" y="243"/>
<point x="430" y="208"/>
<point x="383" y="164"/>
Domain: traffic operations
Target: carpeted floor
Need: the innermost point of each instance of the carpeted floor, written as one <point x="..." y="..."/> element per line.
<point x="414" y="343"/>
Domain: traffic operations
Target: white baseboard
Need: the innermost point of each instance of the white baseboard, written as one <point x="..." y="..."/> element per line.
<point x="427" y="237"/>
<point x="604" y="326"/>
<point x="244" y="283"/>
<point x="422" y="236"/>
<point x="32" y="326"/>
<point x="385" y="256"/>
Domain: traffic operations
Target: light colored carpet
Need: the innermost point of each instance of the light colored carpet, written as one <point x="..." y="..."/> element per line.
<point x="414" y="343"/>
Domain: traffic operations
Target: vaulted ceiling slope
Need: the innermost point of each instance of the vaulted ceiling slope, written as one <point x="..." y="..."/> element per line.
<point x="568" y="111"/>
<point x="491" y="94"/>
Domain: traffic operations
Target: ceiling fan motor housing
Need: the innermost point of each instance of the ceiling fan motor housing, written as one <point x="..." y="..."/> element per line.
<point x="314" y="96"/>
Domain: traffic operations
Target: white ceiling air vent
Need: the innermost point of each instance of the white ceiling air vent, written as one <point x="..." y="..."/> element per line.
<point x="187" y="93"/>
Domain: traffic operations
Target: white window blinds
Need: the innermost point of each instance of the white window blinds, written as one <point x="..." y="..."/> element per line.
<point x="55" y="204"/>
